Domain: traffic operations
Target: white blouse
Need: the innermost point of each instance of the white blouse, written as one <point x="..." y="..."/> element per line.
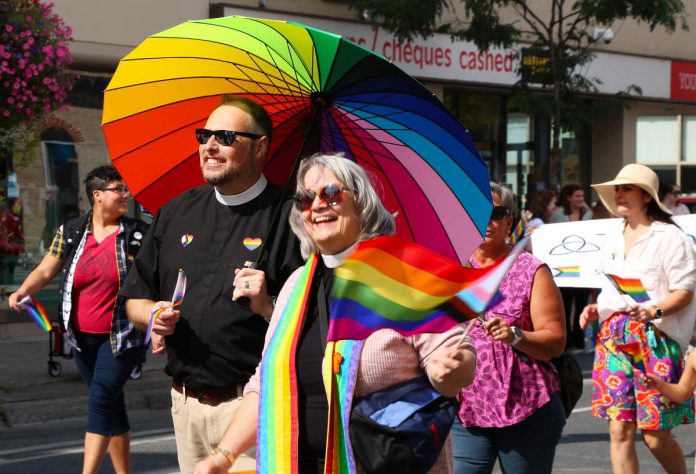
<point x="664" y="259"/>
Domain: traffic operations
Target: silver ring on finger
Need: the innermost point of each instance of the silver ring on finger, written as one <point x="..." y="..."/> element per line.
<point x="246" y="284"/>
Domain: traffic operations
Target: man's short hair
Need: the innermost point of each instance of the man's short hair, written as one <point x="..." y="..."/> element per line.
<point x="261" y="119"/>
<point x="99" y="178"/>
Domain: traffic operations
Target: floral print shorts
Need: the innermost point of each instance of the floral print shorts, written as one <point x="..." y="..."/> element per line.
<point x="625" y="350"/>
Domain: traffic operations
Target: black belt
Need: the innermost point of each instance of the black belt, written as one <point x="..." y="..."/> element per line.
<point x="212" y="396"/>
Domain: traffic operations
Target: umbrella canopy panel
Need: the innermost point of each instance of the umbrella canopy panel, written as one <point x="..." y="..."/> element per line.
<point x="324" y="94"/>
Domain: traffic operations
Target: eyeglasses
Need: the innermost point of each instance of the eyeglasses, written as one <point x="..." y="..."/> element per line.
<point x="331" y="194"/>
<point x="223" y="137"/>
<point x="499" y="213"/>
<point x="122" y="190"/>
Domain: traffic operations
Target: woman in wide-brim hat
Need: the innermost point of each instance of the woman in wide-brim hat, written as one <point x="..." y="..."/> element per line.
<point x="648" y="336"/>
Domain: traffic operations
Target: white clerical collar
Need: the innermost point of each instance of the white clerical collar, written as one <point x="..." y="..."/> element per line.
<point x="243" y="197"/>
<point x="332" y="261"/>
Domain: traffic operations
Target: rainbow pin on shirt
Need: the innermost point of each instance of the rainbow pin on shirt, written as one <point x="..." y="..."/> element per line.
<point x="177" y="299"/>
<point x="252" y="243"/>
<point x="37" y="312"/>
<point x="186" y="240"/>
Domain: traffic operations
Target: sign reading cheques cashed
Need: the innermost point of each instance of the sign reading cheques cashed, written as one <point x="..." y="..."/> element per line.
<point x="572" y="250"/>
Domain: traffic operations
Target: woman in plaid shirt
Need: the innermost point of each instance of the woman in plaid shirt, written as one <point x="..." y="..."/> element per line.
<point x="93" y="254"/>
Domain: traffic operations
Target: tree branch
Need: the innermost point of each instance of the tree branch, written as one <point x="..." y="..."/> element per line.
<point x="525" y="13"/>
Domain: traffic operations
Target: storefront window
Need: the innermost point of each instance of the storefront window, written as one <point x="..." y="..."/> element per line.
<point x="667" y="143"/>
<point x="519" y="162"/>
<point x="689" y="147"/>
<point x="62" y="181"/>
<point x="570" y="159"/>
<point x="480" y="114"/>
<point x="657" y="140"/>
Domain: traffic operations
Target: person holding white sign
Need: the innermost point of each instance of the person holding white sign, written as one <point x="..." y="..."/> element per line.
<point x="640" y="338"/>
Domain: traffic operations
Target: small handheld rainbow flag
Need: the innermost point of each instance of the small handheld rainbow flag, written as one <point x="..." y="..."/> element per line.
<point x="521" y="227"/>
<point x="632" y="287"/>
<point x="389" y="282"/>
<point x="37" y="312"/>
<point x="177" y="299"/>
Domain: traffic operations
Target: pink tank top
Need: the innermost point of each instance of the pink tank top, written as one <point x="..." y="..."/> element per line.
<point x="509" y="385"/>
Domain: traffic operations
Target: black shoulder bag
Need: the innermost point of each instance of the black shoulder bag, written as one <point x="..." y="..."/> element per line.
<point x="570" y="374"/>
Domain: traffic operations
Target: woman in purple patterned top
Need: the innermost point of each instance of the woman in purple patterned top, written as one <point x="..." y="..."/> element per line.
<point x="512" y="411"/>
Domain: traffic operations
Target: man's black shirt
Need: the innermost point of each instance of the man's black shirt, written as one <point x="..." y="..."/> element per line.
<point x="217" y="342"/>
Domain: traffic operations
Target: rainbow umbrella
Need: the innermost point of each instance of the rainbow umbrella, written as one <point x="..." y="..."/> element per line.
<point x="324" y="94"/>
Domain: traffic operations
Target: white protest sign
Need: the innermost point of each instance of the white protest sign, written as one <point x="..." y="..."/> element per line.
<point x="572" y="249"/>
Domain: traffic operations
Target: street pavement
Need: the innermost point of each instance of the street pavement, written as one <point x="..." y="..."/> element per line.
<point x="47" y="417"/>
<point x="28" y="394"/>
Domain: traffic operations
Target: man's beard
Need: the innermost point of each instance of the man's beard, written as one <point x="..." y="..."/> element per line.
<point x="220" y="179"/>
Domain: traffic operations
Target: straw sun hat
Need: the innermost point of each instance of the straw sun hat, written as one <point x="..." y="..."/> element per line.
<point x="638" y="175"/>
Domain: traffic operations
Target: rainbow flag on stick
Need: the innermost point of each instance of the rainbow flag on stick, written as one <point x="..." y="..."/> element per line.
<point x="632" y="287"/>
<point x="177" y="299"/>
<point x="37" y="312"/>
<point x="389" y="282"/>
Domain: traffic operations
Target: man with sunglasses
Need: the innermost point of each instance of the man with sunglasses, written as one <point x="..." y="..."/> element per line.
<point x="236" y="251"/>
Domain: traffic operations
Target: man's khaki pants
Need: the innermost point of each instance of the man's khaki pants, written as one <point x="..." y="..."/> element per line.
<point x="198" y="429"/>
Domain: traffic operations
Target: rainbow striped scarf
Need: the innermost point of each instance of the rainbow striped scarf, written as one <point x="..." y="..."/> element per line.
<point x="278" y="429"/>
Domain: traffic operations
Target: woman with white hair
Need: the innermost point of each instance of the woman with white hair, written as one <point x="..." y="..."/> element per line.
<point x="336" y="207"/>
<point x="645" y="337"/>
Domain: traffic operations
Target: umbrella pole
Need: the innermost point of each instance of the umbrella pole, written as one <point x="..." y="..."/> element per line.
<point x="319" y="102"/>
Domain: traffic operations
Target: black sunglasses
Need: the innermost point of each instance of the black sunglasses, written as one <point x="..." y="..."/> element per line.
<point x="499" y="213"/>
<point x="223" y="137"/>
<point x="331" y="194"/>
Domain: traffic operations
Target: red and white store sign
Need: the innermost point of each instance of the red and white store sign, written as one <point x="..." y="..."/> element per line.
<point x="683" y="77"/>
<point x="440" y="58"/>
<point x="436" y="58"/>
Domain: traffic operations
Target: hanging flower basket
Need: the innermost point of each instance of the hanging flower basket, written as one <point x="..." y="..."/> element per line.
<point x="34" y="61"/>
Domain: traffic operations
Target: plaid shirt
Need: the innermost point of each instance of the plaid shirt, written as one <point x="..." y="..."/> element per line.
<point x="123" y="334"/>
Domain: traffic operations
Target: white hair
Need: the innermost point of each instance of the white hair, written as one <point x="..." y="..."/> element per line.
<point x="374" y="218"/>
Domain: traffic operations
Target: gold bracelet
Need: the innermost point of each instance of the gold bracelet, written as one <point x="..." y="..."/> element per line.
<point x="227" y="455"/>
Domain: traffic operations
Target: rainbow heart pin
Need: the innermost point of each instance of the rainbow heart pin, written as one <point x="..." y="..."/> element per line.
<point x="186" y="240"/>
<point x="252" y="244"/>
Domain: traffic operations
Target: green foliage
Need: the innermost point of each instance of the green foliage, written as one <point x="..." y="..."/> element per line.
<point x="406" y="18"/>
<point x="665" y="13"/>
<point x="34" y="72"/>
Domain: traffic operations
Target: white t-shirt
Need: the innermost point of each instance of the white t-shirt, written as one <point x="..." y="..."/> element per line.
<point x="665" y="260"/>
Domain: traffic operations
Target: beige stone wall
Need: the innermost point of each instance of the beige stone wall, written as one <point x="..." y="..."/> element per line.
<point x="91" y="152"/>
<point x="614" y="137"/>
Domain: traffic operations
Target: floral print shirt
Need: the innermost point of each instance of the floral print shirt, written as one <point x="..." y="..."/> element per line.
<point x="509" y="385"/>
